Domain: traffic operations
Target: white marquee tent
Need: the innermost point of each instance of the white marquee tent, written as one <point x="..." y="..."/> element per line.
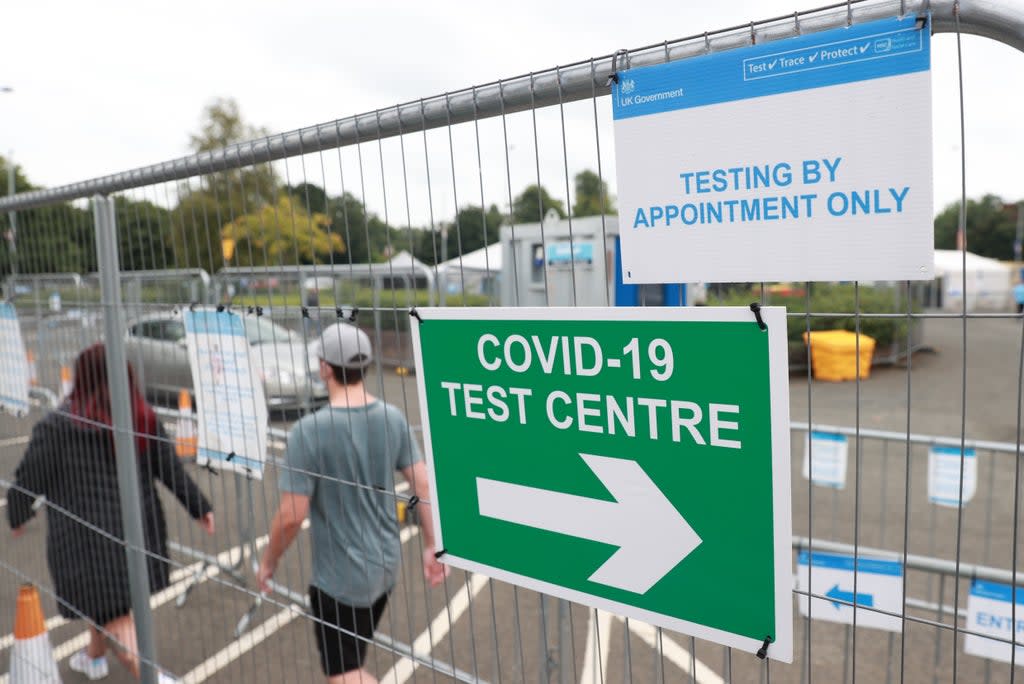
<point x="989" y="282"/>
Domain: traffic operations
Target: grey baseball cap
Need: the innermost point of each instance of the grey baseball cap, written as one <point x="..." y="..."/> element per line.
<point x="345" y="346"/>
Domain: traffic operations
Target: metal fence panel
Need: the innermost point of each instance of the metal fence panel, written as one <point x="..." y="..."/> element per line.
<point x="276" y="230"/>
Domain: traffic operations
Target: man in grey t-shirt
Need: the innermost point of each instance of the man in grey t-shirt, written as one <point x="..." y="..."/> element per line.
<point x="340" y="465"/>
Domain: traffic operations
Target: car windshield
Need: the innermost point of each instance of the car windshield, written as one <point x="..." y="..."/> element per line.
<point x="262" y="331"/>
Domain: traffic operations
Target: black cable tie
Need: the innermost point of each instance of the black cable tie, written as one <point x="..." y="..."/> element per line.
<point x="305" y="312"/>
<point x="412" y="502"/>
<point x="230" y="456"/>
<point x="192" y="307"/>
<point x="756" y="308"/>
<point x="440" y="553"/>
<point x="762" y="652"/>
<point x="259" y="310"/>
<point x="352" y="316"/>
<point x="415" y="314"/>
<point x="211" y="469"/>
<point x="220" y="308"/>
<point x="612" y="78"/>
<point x="921" y="21"/>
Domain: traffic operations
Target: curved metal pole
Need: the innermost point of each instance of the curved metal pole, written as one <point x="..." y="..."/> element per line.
<point x="1000" y="20"/>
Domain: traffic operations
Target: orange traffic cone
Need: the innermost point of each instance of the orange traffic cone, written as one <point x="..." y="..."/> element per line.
<point x="65" y="381"/>
<point x="33" y="376"/>
<point x="186" y="440"/>
<point x="31" y="656"/>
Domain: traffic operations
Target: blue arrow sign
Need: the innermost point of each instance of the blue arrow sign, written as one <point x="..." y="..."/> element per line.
<point x="837" y="595"/>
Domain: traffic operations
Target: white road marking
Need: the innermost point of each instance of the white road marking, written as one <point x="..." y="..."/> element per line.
<point x="675" y="653"/>
<point x="69" y="647"/>
<point x="436" y="631"/>
<point x="240" y="647"/>
<point x="256" y="636"/>
<point x="14" y="441"/>
<point x="179" y="584"/>
<point x="157" y="600"/>
<point x="595" y="655"/>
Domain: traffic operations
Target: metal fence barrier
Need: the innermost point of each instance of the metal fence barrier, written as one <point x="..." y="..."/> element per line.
<point x="277" y="229"/>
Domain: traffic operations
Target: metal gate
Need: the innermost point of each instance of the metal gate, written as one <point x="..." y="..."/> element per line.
<point x="268" y="228"/>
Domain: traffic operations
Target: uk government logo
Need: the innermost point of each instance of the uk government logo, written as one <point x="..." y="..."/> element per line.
<point x="627" y="97"/>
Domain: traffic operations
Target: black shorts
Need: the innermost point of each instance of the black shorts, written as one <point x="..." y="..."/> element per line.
<point x="343" y="646"/>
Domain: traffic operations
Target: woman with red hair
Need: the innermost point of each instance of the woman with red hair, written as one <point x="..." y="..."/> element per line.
<point x="71" y="461"/>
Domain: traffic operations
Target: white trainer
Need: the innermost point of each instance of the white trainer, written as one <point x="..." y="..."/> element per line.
<point x="93" y="668"/>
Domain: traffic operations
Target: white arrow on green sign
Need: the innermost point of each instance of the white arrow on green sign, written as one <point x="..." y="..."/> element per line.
<point x="631" y="459"/>
<point x="642" y="559"/>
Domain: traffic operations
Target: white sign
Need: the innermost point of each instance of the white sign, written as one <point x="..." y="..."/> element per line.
<point x="780" y="161"/>
<point x="878" y="585"/>
<point x="825" y="455"/>
<point x="944" y="466"/>
<point x="230" y="404"/>
<point x="990" y="610"/>
<point x="13" y="363"/>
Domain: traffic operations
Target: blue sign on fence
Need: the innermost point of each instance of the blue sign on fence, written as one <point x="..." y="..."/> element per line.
<point x="991" y="611"/>
<point x="845" y="581"/>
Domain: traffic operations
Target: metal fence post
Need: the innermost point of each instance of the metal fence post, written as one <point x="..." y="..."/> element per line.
<point x="124" y="438"/>
<point x="12" y="229"/>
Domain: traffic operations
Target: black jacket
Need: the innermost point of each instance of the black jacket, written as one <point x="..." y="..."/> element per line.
<point x="74" y="467"/>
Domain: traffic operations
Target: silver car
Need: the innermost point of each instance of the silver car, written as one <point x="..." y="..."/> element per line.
<point x="156" y="347"/>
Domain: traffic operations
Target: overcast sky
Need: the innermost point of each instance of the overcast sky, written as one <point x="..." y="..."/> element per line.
<point x="105" y="87"/>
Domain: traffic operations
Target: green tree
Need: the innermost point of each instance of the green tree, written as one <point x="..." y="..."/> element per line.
<point x="533" y="203"/>
<point x="144" y="235"/>
<point x="991" y="227"/>
<point x="282" y="233"/>
<point x="366" y="235"/>
<point x="310" y="196"/>
<point x="222" y="125"/>
<point x="57" y="238"/>
<point x="195" y="232"/>
<point x="218" y="198"/>
<point x="592" y="197"/>
<point x="471" y="229"/>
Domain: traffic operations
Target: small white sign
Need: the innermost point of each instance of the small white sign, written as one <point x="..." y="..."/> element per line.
<point x="944" y="465"/>
<point x="990" y="611"/>
<point x="779" y="161"/>
<point x="230" y="404"/>
<point x="825" y="456"/>
<point x="13" y="363"/>
<point x="879" y="586"/>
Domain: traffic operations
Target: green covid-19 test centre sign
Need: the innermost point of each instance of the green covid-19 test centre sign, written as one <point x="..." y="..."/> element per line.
<point x="631" y="459"/>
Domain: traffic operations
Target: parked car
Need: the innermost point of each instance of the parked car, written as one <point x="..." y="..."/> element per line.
<point x="156" y="346"/>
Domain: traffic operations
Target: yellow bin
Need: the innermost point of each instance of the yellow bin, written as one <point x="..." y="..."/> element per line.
<point x="834" y="354"/>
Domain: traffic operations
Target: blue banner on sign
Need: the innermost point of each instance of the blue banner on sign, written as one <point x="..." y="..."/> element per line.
<point x="996" y="591"/>
<point x="560" y="253"/>
<point x="214" y="455"/>
<point x="213" y="323"/>
<point x="842" y="562"/>
<point x="879" y="49"/>
<point x="953" y="451"/>
<point x="828" y="436"/>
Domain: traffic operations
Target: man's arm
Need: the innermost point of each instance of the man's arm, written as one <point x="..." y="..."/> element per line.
<point x="286" y="524"/>
<point x="416" y="475"/>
